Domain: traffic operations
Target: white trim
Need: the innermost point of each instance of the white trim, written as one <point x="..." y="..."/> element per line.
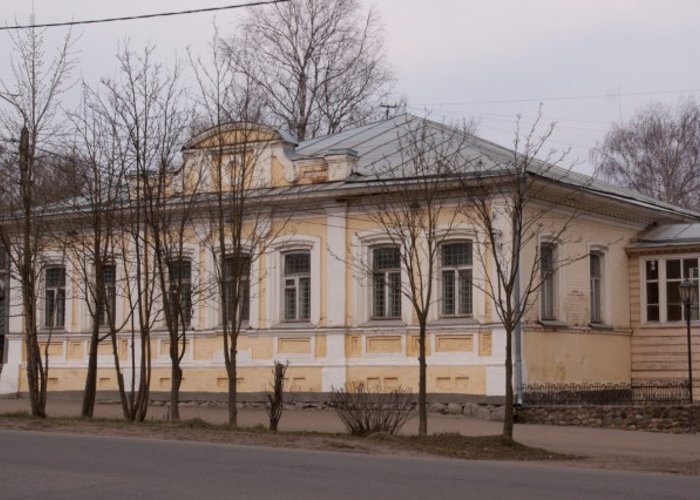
<point x="275" y="288"/>
<point x="663" y="312"/>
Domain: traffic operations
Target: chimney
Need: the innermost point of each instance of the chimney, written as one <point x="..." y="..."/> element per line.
<point x="341" y="163"/>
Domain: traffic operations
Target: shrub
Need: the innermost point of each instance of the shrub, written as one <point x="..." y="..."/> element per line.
<point x="365" y="410"/>
<point x="276" y="398"/>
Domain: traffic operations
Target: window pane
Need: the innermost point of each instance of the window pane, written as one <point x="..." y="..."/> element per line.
<point x="652" y="270"/>
<point x="395" y="295"/>
<point x="457" y="254"/>
<point x="305" y="297"/>
<point x="297" y="263"/>
<point x="181" y="290"/>
<point x="465" y="289"/>
<point x="673" y="269"/>
<point x="690" y="269"/>
<point x="378" y="295"/>
<point x="674" y="312"/>
<point x="595" y="265"/>
<point x="448" y="293"/>
<point x="109" y="278"/>
<point x="60" y="307"/>
<point x="55" y="299"/>
<point x="652" y="293"/>
<point x="237" y="287"/>
<point x="290" y="303"/>
<point x="546" y="258"/>
<point x="49" y="305"/>
<point x="652" y="313"/>
<point x="386" y="258"/>
<point x="547" y="277"/>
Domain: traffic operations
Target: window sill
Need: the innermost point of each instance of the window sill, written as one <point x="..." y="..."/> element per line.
<point x="373" y="323"/>
<point x="51" y="331"/>
<point x="454" y="320"/>
<point x="293" y="325"/>
<point x="245" y="325"/>
<point x="600" y="326"/>
<point x="552" y="323"/>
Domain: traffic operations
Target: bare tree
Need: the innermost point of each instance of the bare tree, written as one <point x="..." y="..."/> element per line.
<point x="145" y="103"/>
<point x="415" y="212"/>
<point x="509" y="200"/>
<point x="241" y="220"/>
<point x="657" y="153"/>
<point x="31" y="114"/>
<point x="275" y="399"/>
<point x="171" y="198"/>
<point x="93" y="227"/>
<point x="319" y="65"/>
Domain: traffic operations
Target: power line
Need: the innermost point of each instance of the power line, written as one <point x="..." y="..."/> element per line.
<point x="142" y="16"/>
<point x="564" y="98"/>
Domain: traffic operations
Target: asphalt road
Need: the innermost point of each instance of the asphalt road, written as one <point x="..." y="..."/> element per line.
<point x="65" y="466"/>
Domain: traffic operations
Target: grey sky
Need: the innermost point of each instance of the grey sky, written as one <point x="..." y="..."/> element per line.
<point x="480" y="59"/>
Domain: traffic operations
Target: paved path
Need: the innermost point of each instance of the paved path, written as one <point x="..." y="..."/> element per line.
<point x="607" y="447"/>
<point x="62" y="466"/>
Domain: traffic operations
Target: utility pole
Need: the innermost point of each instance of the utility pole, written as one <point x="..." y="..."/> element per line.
<point x="388" y="107"/>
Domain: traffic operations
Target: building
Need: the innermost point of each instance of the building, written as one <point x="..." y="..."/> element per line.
<point x="321" y="293"/>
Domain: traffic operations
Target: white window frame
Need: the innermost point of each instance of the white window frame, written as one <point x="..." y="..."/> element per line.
<point x="293" y="282"/>
<point x="603" y="252"/>
<point x="554" y="285"/>
<point x="186" y="257"/>
<point x="662" y="283"/>
<point x="456" y="270"/>
<point x="44" y="289"/>
<point x="247" y="279"/>
<point x="384" y="316"/>
<point x="362" y="245"/>
<point x="116" y="297"/>
<point x="274" y="280"/>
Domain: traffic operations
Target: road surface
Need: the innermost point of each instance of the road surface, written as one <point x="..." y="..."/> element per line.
<point x="65" y="466"/>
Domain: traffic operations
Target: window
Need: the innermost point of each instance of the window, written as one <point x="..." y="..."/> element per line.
<point x="662" y="278"/>
<point x="547" y="276"/>
<point x="678" y="270"/>
<point x="297" y="286"/>
<point x="596" y="277"/>
<point x="386" y="283"/>
<point x="237" y="278"/>
<point x="456" y="267"/>
<point x="55" y="297"/>
<point x="109" y="280"/>
<point x="181" y="290"/>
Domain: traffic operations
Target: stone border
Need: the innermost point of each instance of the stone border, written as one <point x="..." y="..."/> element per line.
<point x="652" y="418"/>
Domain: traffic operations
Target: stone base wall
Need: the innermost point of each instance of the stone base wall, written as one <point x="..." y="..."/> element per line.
<point x="675" y="419"/>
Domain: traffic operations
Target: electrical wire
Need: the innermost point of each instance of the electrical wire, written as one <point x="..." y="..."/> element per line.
<point x="563" y="98"/>
<point x="141" y="16"/>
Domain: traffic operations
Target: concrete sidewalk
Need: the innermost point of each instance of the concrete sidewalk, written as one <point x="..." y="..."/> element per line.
<point x="606" y="447"/>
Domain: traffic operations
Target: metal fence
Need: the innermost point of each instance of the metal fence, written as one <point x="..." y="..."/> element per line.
<point x="667" y="392"/>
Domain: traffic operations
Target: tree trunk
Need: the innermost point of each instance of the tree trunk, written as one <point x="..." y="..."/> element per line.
<point x="176" y="374"/>
<point x="422" y="385"/>
<point x="89" y="393"/>
<point x="232" y="370"/>
<point x="507" y="435"/>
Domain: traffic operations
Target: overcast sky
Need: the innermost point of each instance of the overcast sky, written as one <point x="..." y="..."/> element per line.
<point x="589" y="62"/>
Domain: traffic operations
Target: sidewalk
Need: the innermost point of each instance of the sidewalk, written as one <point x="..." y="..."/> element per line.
<point x="636" y="450"/>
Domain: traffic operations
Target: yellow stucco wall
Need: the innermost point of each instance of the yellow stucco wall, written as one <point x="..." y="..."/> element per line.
<point x="572" y="357"/>
<point x="444" y="379"/>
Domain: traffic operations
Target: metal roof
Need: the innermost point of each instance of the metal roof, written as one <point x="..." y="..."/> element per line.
<point x="382" y="150"/>
<point x="670" y="235"/>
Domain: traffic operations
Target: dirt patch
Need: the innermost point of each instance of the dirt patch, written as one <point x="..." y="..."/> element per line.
<point x="450" y="445"/>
